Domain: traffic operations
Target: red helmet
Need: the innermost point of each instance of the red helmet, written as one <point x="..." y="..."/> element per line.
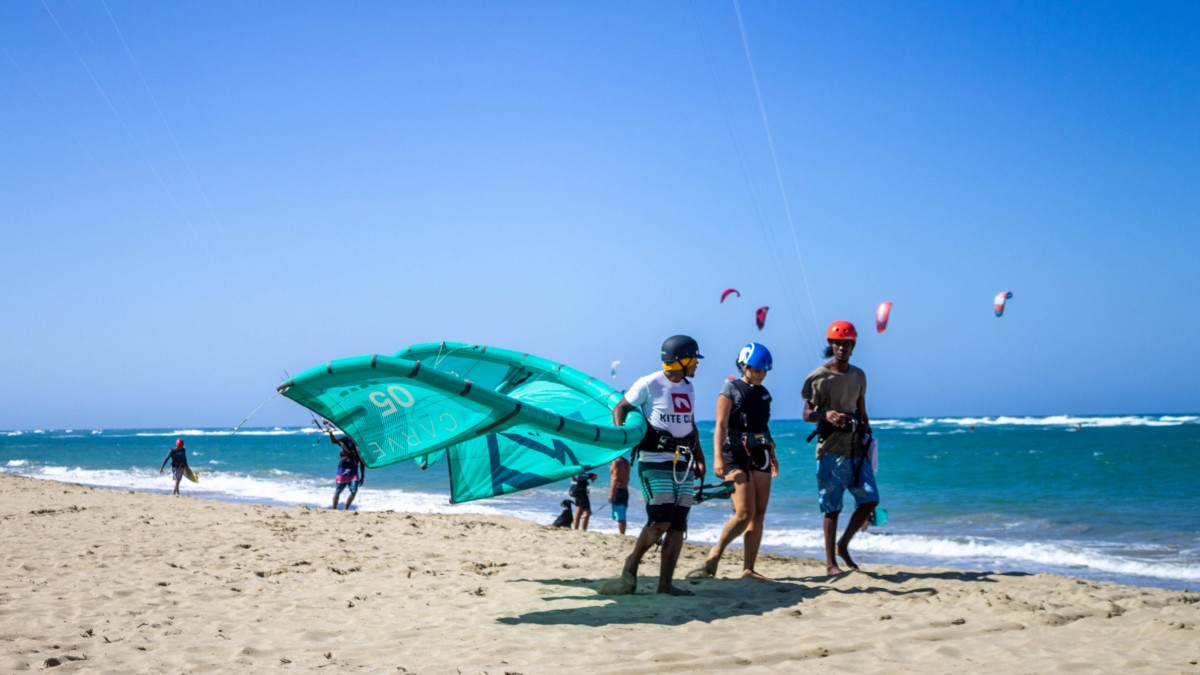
<point x="841" y="330"/>
<point x="179" y="443"/>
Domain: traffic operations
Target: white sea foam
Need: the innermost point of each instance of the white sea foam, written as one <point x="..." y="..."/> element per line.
<point x="898" y="424"/>
<point x="277" y="431"/>
<point x="1073" y="421"/>
<point x="280" y="488"/>
<point x="978" y="551"/>
<point x="14" y="463"/>
<point x="1070" y="421"/>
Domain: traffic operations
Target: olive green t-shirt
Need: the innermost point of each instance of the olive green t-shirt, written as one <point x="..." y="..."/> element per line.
<point x="827" y="389"/>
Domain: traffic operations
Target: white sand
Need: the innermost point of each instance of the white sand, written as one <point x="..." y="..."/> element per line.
<point x="113" y="581"/>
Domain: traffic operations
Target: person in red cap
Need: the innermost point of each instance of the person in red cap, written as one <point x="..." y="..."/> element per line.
<point x="178" y="459"/>
<point x="835" y="399"/>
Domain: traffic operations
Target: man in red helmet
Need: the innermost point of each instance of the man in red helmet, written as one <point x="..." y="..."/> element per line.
<point x="835" y="399"/>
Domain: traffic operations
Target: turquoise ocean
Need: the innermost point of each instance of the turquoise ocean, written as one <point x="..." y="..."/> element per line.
<point x="1105" y="498"/>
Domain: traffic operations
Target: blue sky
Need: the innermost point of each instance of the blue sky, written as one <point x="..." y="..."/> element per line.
<point x="197" y="198"/>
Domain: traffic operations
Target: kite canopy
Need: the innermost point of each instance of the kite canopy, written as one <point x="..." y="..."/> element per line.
<point x="760" y="317"/>
<point x="505" y="421"/>
<point x="1001" y="298"/>
<point x="882" y="312"/>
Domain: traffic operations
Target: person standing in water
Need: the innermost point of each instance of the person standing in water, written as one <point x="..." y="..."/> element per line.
<point x="618" y="490"/>
<point x="669" y="459"/>
<point x="835" y="399"/>
<point x="179" y="464"/>
<point x="746" y="457"/>
<point x="583" y="500"/>
<point x="351" y="470"/>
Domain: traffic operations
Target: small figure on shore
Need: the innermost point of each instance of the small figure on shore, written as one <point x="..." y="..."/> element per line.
<point x="564" y="518"/>
<point x="669" y="459"/>
<point x="583" y="501"/>
<point x="618" y="490"/>
<point x="835" y="399"/>
<point x="746" y="457"/>
<point x="351" y="470"/>
<point x="179" y="464"/>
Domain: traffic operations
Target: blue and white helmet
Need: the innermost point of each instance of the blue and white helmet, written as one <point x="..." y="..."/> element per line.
<point x="754" y="355"/>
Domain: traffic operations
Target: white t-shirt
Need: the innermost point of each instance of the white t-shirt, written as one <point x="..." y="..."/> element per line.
<point x="667" y="406"/>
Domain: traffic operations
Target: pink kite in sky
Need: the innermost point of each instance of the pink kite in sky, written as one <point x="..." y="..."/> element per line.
<point x="881" y="316"/>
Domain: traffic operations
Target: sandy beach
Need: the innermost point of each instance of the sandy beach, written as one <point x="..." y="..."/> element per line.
<point x="99" y="580"/>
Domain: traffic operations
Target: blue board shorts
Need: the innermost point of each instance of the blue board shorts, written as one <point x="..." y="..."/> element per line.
<point x="353" y="485"/>
<point x="620" y="504"/>
<point x="835" y="475"/>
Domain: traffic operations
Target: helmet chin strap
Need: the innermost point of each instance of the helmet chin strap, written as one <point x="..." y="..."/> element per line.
<point x="682" y="368"/>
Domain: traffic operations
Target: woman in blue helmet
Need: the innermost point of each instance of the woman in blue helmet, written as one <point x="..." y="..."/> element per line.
<point x="746" y="457"/>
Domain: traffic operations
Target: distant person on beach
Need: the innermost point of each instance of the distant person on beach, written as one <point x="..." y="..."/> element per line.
<point x="564" y="519"/>
<point x="583" y="501"/>
<point x="179" y="464"/>
<point x="835" y="399"/>
<point x="351" y="470"/>
<point x="746" y="457"/>
<point x="669" y="459"/>
<point x="618" y="490"/>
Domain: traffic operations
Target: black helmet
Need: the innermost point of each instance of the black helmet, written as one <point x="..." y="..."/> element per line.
<point x="680" y="347"/>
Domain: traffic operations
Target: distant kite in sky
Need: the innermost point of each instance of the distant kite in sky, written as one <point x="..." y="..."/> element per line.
<point x="881" y="316"/>
<point x="613" y="368"/>
<point x="760" y="317"/>
<point x="1001" y="298"/>
<point x="728" y="291"/>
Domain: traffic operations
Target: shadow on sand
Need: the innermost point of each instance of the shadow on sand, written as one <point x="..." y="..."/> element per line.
<point x="946" y="575"/>
<point x="858" y="579"/>
<point x="717" y="599"/>
<point x="714" y="599"/>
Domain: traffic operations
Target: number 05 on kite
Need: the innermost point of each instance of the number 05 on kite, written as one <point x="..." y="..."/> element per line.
<point x="503" y="420"/>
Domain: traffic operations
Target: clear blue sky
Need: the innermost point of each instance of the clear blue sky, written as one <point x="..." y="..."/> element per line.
<point x="198" y="197"/>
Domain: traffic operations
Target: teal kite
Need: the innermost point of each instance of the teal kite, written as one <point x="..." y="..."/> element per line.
<point x="503" y="420"/>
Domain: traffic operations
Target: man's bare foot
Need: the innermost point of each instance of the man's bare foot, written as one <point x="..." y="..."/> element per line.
<point x="833" y="570"/>
<point x="751" y="574"/>
<point x="674" y="590"/>
<point x="626" y="584"/>
<point x="706" y="571"/>
<point x="844" y="554"/>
